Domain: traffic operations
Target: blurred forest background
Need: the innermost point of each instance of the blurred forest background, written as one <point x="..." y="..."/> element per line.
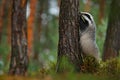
<point x="42" y="27"/>
<point x="42" y="19"/>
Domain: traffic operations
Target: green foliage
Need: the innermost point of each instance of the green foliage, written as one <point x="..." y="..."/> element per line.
<point x="4" y="49"/>
<point x="101" y="34"/>
<point x="49" y="41"/>
<point x="33" y="68"/>
<point x="4" y="57"/>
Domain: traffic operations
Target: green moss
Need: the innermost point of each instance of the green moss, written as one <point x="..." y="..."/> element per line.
<point x="111" y="68"/>
<point x="90" y="65"/>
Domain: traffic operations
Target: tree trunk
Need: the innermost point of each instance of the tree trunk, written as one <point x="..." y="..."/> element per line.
<point x="19" y="58"/>
<point x="42" y="6"/>
<point x="9" y="23"/>
<point x="101" y="10"/>
<point x="112" y="42"/>
<point x="2" y="8"/>
<point x="69" y="34"/>
<point x="31" y="23"/>
<point x="37" y="30"/>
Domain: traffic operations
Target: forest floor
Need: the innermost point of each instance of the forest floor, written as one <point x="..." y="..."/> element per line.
<point x="109" y="70"/>
<point x="63" y="76"/>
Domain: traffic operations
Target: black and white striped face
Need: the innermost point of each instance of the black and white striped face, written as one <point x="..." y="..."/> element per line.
<point x="86" y="20"/>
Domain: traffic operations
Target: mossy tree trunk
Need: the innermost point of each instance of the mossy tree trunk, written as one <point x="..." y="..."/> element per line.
<point x="68" y="45"/>
<point x="19" y="58"/>
<point x="112" y="42"/>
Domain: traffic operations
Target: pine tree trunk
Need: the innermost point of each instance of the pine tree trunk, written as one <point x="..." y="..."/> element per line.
<point x="112" y="42"/>
<point x="19" y="58"/>
<point x="69" y="34"/>
<point x="31" y="24"/>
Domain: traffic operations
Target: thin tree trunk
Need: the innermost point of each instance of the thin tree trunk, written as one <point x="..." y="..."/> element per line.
<point x="9" y="8"/>
<point x="19" y="58"/>
<point x="37" y="30"/>
<point x="2" y="7"/>
<point x="101" y="10"/>
<point x="9" y="24"/>
<point x="69" y="34"/>
<point x="112" y="42"/>
<point x="42" y="6"/>
<point x="31" y="23"/>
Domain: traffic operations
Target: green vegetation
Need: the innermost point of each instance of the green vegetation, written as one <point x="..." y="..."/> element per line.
<point x="92" y="70"/>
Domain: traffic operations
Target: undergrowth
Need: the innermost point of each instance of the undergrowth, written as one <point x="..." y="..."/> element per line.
<point x="91" y="70"/>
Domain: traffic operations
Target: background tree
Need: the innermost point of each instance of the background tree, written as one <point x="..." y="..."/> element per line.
<point x="69" y="34"/>
<point x="4" y="23"/>
<point x="2" y="7"/>
<point x="112" y="42"/>
<point x="9" y="22"/>
<point x="19" y="58"/>
<point x="31" y="25"/>
<point x="3" y="17"/>
<point x="101" y="10"/>
<point x="42" y="8"/>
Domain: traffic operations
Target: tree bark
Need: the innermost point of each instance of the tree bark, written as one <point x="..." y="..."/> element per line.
<point x="31" y="24"/>
<point x="112" y="42"/>
<point x="68" y="45"/>
<point x="19" y="58"/>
